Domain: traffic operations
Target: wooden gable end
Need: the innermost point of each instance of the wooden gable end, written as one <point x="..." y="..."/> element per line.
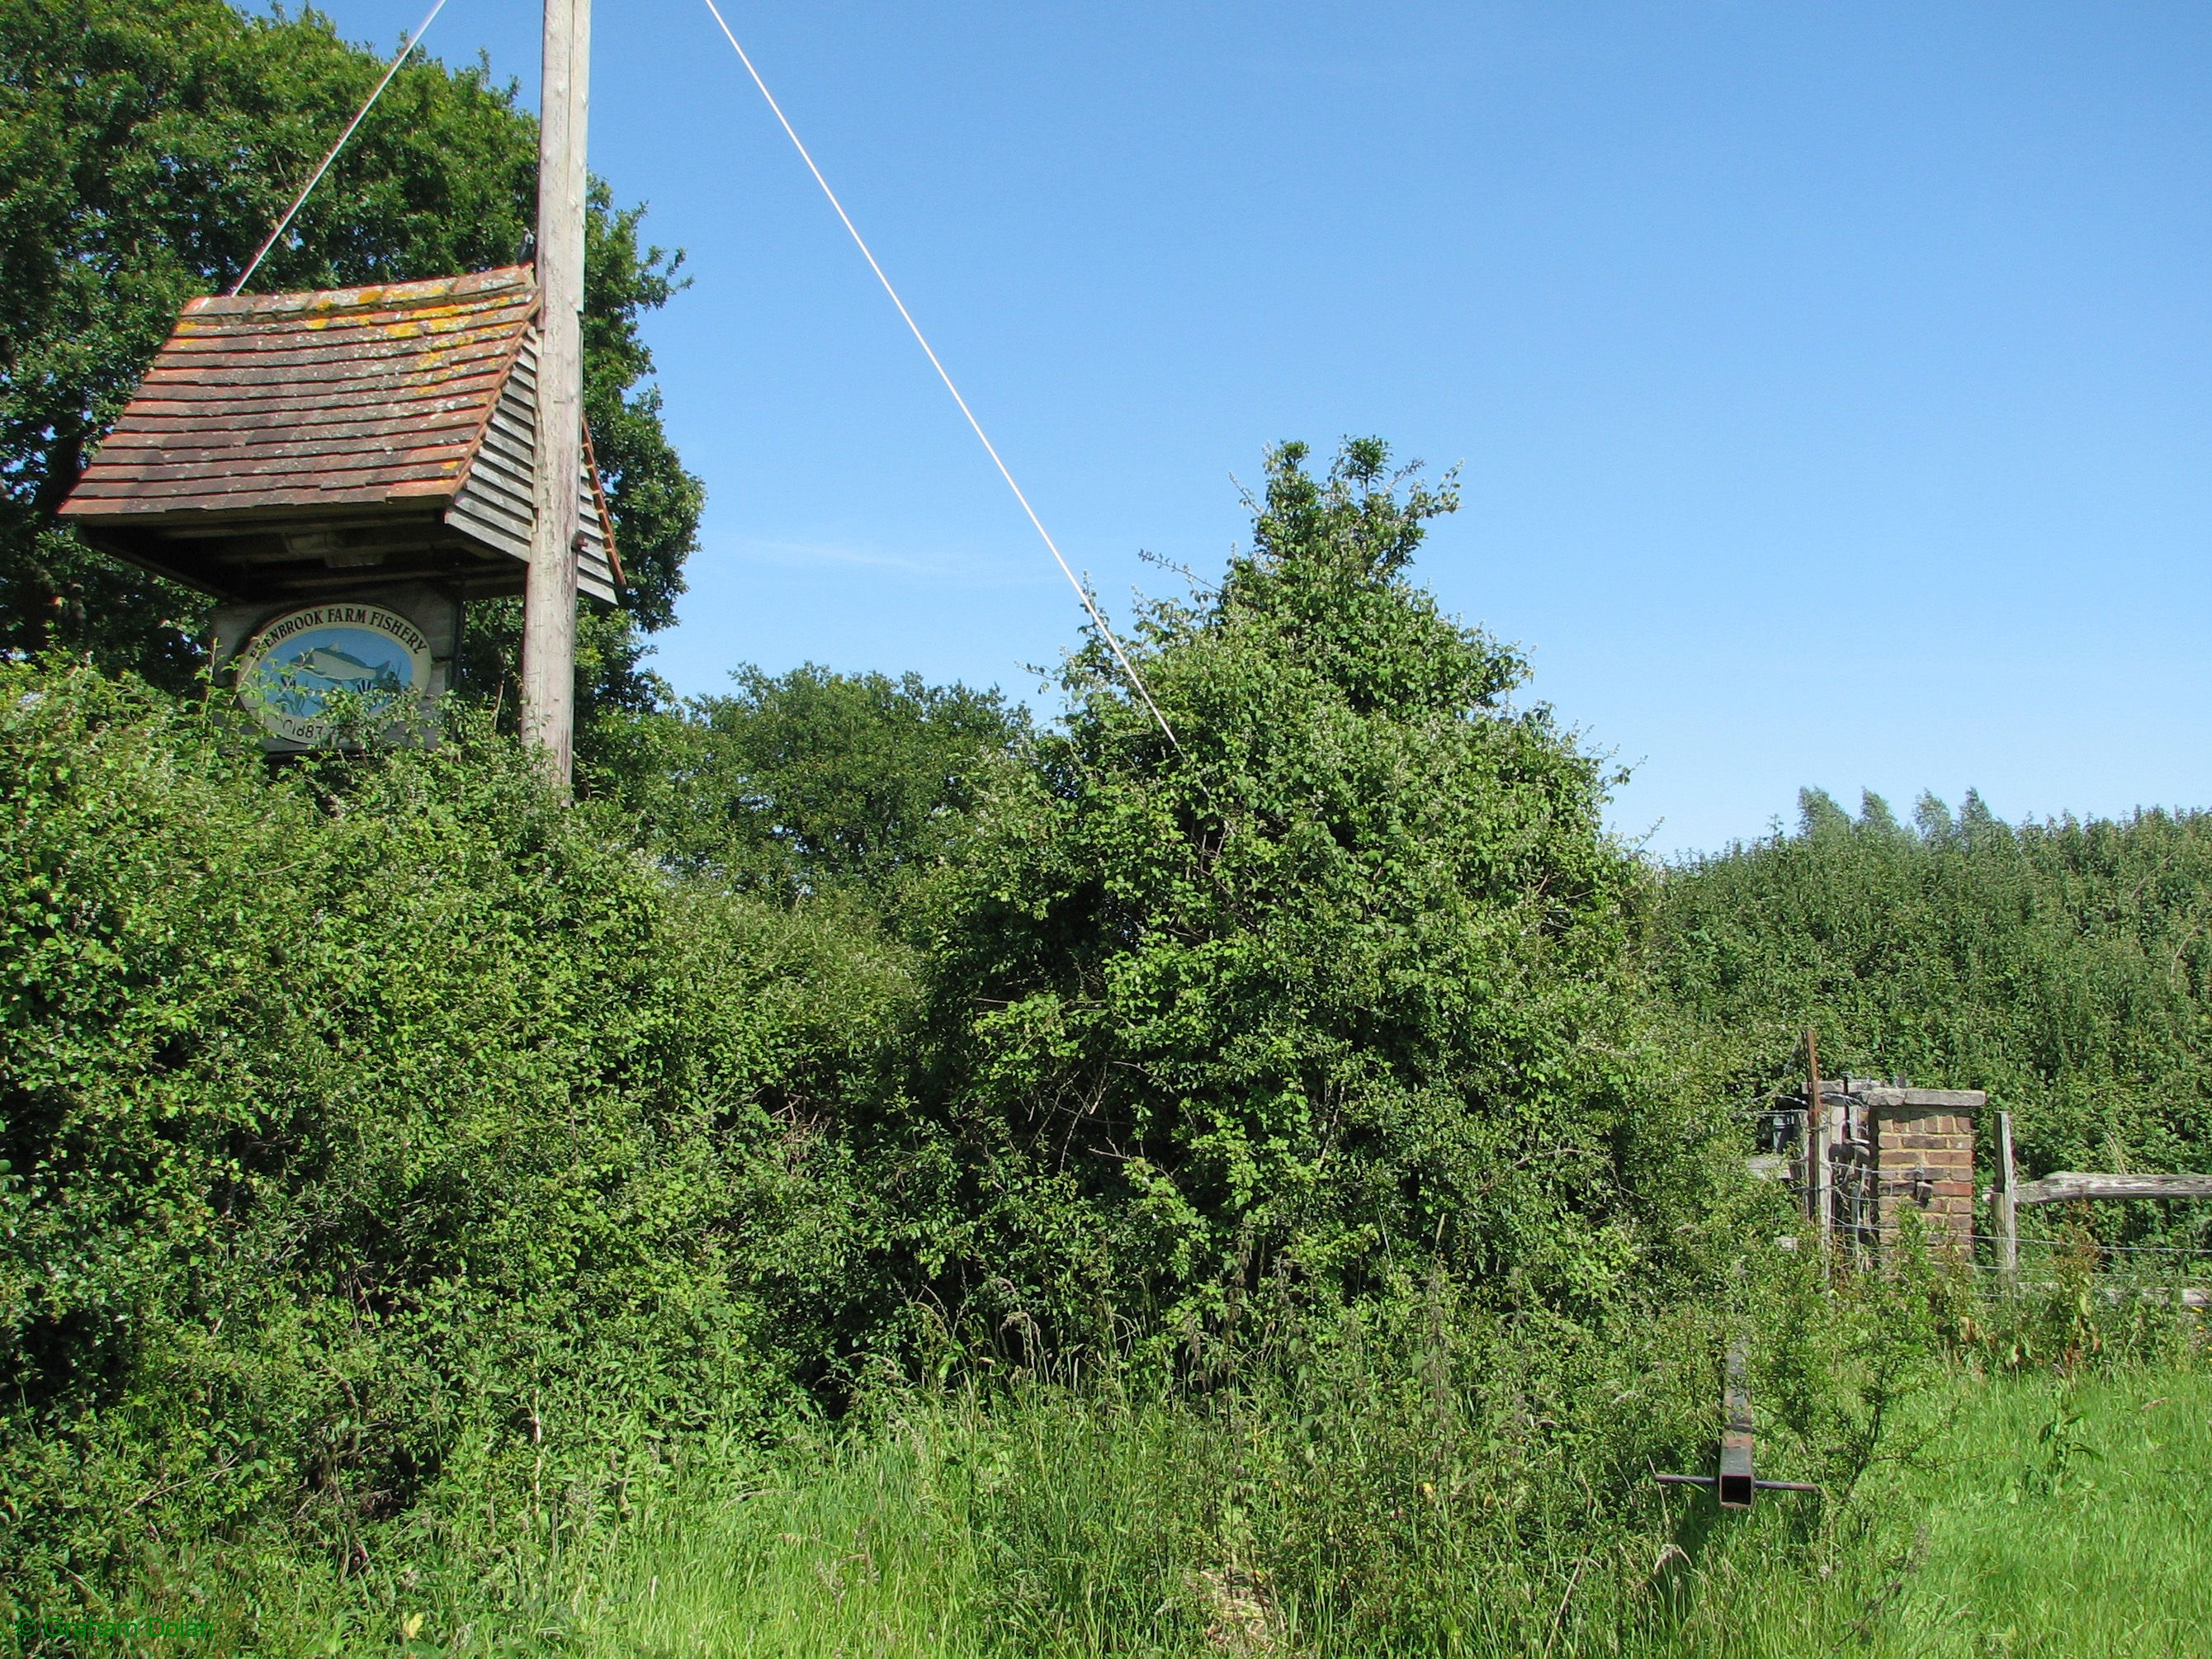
<point x="495" y="502"/>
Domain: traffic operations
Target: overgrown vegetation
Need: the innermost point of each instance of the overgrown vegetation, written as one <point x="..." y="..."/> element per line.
<point x="1279" y="1188"/>
<point x="376" y="1135"/>
<point x="899" y="1542"/>
<point x="885" y="1174"/>
<point x="2064" y="967"/>
<point x="1336" y="985"/>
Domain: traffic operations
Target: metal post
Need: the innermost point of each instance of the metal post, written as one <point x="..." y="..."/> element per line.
<point x="2007" y="1201"/>
<point x="1816" y="1145"/>
<point x="1736" y="1483"/>
<point x="549" y="605"/>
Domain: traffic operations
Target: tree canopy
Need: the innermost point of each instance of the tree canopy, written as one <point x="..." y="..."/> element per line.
<point x="812" y="778"/>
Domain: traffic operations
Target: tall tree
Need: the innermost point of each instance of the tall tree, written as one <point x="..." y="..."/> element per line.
<point x="1338" y="979"/>
<point x="146" y="147"/>
<point x="812" y="779"/>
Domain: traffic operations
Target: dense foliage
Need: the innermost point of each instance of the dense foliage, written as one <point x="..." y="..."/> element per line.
<point x="811" y="781"/>
<point x="402" y="1171"/>
<point x="1337" y="979"/>
<point x="2064" y="967"/>
<point x="374" y="1126"/>
<point x="367" y="1134"/>
<point x="146" y="149"/>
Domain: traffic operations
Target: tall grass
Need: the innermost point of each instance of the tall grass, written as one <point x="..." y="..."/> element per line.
<point x="2049" y="1518"/>
<point x="1438" y="1477"/>
<point x="1377" y="1494"/>
<point x="864" y="1547"/>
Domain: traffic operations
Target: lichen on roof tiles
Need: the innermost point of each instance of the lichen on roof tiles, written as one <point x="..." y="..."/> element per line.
<point x="251" y="369"/>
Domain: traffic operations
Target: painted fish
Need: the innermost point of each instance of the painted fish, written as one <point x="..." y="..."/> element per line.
<point x="342" y="668"/>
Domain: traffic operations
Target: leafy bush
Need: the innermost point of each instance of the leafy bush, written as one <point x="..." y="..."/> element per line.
<point x="371" y="1128"/>
<point x="1338" y="979"/>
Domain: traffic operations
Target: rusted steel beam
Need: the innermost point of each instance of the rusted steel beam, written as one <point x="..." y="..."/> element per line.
<point x="1737" y="1483"/>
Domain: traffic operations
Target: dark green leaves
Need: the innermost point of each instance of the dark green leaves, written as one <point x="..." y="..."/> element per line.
<point x="1339" y="983"/>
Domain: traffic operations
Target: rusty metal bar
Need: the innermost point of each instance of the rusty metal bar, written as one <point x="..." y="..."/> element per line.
<point x="1736" y="1483"/>
<point x="1710" y="1480"/>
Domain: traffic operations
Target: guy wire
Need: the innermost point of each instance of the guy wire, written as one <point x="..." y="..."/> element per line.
<point x="1083" y="593"/>
<point x="316" y="177"/>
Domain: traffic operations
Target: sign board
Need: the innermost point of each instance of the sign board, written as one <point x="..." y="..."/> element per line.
<point x="309" y="673"/>
<point x="342" y="673"/>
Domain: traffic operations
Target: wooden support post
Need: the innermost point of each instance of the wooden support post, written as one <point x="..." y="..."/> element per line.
<point x="1817" y="1200"/>
<point x="549" y="605"/>
<point x="2007" y="1201"/>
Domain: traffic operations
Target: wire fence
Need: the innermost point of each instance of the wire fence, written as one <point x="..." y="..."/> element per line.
<point x="2098" y="1247"/>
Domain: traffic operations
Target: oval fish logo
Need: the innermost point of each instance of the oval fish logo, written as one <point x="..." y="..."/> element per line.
<point x="310" y="670"/>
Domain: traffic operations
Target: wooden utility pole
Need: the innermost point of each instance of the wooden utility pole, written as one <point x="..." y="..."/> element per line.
<point x="1816" y="1145"/>
<point x="549" y="605"/>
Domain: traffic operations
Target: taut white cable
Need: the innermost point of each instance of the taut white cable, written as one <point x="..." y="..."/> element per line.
<point x="360" y="114"/>
<point x="922" y="340"/>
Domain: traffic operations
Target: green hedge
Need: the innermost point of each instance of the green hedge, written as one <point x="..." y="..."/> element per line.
<point x="2066" y="966"/>
<point x="368" y="1127"/>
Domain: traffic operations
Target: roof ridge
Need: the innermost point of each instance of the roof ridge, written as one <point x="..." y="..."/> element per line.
<point x="367" y="294"/>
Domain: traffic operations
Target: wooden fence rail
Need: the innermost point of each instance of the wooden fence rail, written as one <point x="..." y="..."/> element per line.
<point x="2069" y="1184"/>
<point x="2066" y="1186"/>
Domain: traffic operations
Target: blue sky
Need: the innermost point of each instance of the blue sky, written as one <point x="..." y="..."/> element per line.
<point x="1832" y="385"/>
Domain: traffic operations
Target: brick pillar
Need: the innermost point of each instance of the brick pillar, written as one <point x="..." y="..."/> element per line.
<point x="1923" y="1147"/>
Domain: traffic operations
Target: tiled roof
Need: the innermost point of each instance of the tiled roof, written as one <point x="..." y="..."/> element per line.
<point x="306" y="443"/>
<point x="353" y="396"/>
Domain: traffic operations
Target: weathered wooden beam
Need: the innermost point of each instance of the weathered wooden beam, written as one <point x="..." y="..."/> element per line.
<point x="2068" y="1185"/>
<point x="2007" y="1199"/>
<point x="2188" y="1296"/>
<point x="1817" y="1202"/>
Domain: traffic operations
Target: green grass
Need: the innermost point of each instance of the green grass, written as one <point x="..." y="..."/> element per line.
<point x="2044" y="1517"/>
<point x="2070" y="1520"/>
<point x="2049" y="1518"/>
<point x="864" y="1552"/>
